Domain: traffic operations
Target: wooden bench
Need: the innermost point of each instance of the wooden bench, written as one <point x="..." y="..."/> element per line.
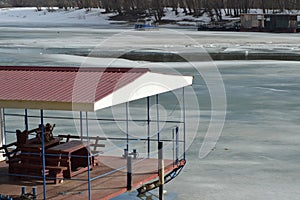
<point x="51" y="159"/>
<point x="55" y="172"/>
<point x="31" y="164"/>
<point x="93" y="142"/>
<point x="75" y="156"/>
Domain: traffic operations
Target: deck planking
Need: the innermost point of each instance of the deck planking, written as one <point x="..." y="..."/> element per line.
<point x="106" y="187"/>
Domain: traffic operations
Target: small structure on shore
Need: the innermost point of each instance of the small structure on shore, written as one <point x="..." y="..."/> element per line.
<point x="145" y="24"/>
<point x="278" y="23"/>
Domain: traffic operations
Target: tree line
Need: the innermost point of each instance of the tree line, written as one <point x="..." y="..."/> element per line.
<point x="214" y="8"/>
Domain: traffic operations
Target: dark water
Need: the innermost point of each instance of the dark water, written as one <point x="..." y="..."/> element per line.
<point x="257" y="155"/>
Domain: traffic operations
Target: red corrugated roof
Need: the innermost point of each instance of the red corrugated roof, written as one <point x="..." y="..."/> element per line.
<point x="63" y="84"/>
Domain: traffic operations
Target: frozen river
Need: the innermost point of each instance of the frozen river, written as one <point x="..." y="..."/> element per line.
<point x="257" y="155"/>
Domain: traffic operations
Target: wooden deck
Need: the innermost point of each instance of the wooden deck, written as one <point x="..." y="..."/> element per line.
<point x="106" y="187"/>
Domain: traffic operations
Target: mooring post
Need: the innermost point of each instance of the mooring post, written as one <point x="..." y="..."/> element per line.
<point x="129" y="173"/>
<point x="161" y="171"/>
<point x="34" y="193"/>
<point x="23" y="191"/>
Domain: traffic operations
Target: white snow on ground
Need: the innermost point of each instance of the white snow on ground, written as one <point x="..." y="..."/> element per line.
<point x="110" y="38"/>
<point x="72" y="16"/>
<point x="190" y="20"/>
<point x="182" y="18"/>
<point x="81" y="16"/>
<point x="30" y="15"/>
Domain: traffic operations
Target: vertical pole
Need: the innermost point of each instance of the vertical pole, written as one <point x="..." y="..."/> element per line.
<point x="1" y="125"/>
<point x="4" y="126"/>
<point x="157" y="118"/>
<point x="161" y="171"/>
<point x="184" y="121"/>
<point x="177" y="144"/>
<point x="88" y="157"/>
<point x="173" y="145"/>
<point x="2" y="132"/>
<point x="160" y="155"/>
<point x="43" y="155"/>
<point x="148" y="124"/>
<point x="127" y="129"/>
<point x="81" y="125"/>
<point x="129" y="173"/>
<point x="26" y="119"/>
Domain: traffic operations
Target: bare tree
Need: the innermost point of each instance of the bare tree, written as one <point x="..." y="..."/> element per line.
<point x="214" y="8"/>
<point x="158" y="9"/>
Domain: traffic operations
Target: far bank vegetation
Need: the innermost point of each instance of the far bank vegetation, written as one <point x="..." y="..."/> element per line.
<point x="156" y="8"/>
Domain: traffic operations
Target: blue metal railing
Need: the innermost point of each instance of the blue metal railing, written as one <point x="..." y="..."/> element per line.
<point x="175" y="140"/>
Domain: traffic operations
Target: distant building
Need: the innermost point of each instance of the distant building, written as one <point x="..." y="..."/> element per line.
<point x="280" y="23"/>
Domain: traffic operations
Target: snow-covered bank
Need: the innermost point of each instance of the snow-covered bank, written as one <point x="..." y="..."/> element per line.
<point x="77" y="32"/>
<point x="60" y="17"/>
<point x="27" y="16"/>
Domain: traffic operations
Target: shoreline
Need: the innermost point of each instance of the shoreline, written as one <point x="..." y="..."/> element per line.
<point x="169" y="57"/>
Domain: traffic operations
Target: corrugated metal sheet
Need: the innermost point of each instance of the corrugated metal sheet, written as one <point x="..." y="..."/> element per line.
<point x="63" y="84"/>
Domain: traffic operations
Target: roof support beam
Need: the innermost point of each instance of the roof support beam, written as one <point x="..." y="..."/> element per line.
<point x="148" y="124"/>
<point x="89" y="156"/>
<point x="157" y="118"/>
<point x="43" y="155"/>
<point x="127" y="127"/>
<point x="2" y="137"/>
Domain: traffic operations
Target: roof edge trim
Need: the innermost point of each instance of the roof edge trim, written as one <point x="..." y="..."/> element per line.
<point x="45" y="105"/>
<point x="71" y="69"/>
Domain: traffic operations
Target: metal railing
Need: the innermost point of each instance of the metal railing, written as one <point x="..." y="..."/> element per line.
<point x="172" y="138"/>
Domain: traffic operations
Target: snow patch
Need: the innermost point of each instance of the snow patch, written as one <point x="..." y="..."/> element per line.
<point x="57" y="16"/>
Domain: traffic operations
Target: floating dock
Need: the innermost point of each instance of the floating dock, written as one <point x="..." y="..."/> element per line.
<point x="70" y="169"/>
<point x="110" y="185"/>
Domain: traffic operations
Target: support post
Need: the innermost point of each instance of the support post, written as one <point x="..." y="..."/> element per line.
<point x="148" y="124"/>
<point x="43" y="155"/>
<point x="127" y="128"/>
<point x="161" y="170"/>
<point x="184" y="121"/>
<point x="173" y="145"/>
<point x="129" y="173"/>
<point x="4" y="126"/>
<point x="26" y="119"/>
<point x="81" y="125"/>
<point x="88" y="156"/>
<point x="157" y="118"/>
<point x="2" y="137"/>
<point x="177" y="145"/>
